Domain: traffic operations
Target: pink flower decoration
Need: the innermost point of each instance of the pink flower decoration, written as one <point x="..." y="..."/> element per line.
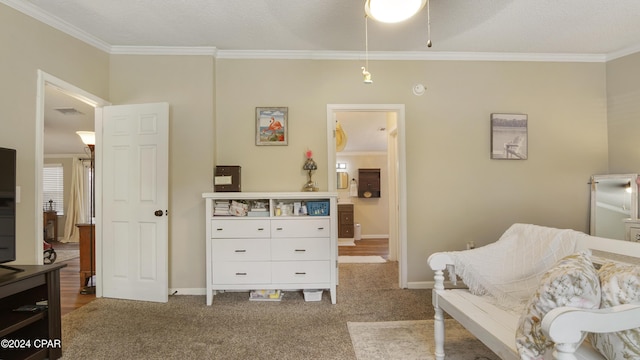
<point x="309" y="154"/>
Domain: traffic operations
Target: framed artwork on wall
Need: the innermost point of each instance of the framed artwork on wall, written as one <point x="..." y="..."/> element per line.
<point x="509" y="136"/>
<point x="272" y="126"/>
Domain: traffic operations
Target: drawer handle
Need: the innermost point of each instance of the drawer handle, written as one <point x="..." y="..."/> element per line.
<point x="241" y="251"/>
<point x="321" y="228"/>
<point x="219" y="229"/>
<point x="279" y="229"/>
<point x="260" y="229"/>
<point x="241" y="274"/>
<point x="301" y="273"/>
<point x="300" y="250"/>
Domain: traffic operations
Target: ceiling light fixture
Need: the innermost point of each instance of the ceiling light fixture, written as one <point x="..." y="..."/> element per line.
<point x="392" y="11"/>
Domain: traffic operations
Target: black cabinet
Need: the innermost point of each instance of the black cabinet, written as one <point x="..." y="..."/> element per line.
<point x="369" y="183"/>
<point x="33" y="334"/>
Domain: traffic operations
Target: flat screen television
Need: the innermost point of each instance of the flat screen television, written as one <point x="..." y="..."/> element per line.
<point x="7" y="205"/>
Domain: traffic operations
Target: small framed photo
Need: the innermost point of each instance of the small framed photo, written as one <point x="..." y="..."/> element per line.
<point x="272" y="126"/>
<point x="509" y="136"/>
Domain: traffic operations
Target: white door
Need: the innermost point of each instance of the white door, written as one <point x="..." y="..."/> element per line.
<point x="135" y="156"/>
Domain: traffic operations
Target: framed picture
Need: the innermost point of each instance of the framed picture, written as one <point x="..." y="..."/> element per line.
<point x="509" y="136"/>
<point x="272" y="125"/>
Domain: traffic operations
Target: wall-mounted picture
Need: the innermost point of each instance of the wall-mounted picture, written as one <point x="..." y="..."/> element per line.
<point x="509" y="136"/>
<point x="272" y="125"/>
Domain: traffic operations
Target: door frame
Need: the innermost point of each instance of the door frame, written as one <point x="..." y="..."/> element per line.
<point x="401" y="177"/>
<point x="45" y="79"/>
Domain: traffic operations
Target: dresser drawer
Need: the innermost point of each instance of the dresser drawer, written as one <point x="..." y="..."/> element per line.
<point x="234" y="273"/>
<point x="300" y="249"/>
<point x="240" y="228"/>
<point x="301" y="228"/>
<point x="301" y="272"/>
<point x="241" y="250"/>
<point x="634" y="234"/>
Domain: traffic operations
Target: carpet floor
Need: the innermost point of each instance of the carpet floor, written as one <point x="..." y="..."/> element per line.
<point x="236" y="328"/>
<point x="413" y="340"/>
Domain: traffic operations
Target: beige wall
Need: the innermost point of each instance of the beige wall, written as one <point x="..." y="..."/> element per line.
<point x="372" y="214"/>
<point x="28" y="45"/>
<point x="455" y="192"/>
<point x="623" y="77"/>
<point x="186" y="83"/>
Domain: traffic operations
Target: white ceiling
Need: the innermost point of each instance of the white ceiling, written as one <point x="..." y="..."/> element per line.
<point x="595" y="30"/>
<point x="493" y="26"/>
<point x="60" y="136"/>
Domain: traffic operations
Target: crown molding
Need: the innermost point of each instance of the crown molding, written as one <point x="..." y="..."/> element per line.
<point x="406" y="55"/>
<point x="164" y="50"/>
<point x="623" y="52"/>
<point x="57" y="23"/>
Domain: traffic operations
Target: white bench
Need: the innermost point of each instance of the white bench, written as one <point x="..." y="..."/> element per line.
<point x="496" y="328"/>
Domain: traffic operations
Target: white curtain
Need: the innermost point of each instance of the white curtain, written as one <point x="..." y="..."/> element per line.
<point x="76" y="208"/>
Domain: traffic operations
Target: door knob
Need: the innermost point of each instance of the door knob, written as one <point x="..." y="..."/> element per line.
<point x="158" y="213"/>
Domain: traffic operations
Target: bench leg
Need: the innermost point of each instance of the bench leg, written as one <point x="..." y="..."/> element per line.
<point x="438" y="332"/>
<point x="565" y="352"/>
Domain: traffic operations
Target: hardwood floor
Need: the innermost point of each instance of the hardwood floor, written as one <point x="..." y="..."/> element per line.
<point x="70" y="297"/>
<point x="367" y="247"/>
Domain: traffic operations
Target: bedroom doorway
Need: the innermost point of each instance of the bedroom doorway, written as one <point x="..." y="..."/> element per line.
<point x="391" y="128"/>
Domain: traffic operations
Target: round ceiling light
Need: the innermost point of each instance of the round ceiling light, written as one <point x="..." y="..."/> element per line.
<point x="392" y="11"/>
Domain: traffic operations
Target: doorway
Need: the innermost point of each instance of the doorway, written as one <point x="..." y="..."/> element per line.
<point x="393" y="129"/>
<point x="49" y="86"/>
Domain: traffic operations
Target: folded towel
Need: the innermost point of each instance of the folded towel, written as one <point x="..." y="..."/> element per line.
<point x="353" y="188"/>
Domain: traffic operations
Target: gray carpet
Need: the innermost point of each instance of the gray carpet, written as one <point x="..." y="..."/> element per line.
<point x="235" y="328"/>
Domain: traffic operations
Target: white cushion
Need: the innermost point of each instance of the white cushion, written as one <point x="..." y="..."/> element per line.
<point x="573" y="281"/>
<point x="620" y="284"/>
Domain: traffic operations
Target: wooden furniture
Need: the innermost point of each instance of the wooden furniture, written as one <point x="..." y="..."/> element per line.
<point x="278" y="250"/>
<point x="345" y="221"/>
<point x="632" y="230"/>
<point x="87" y="251"/>
<point x="369" y="183"/>
<point x="38" y="333"/>
<point x="50" y="217"/>
<point x="227" y="178"/>
<point x="496" y="327"/>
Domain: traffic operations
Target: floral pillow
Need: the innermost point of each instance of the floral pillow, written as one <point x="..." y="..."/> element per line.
<point x="572" y="281"/>
<point x="620" y="284"/>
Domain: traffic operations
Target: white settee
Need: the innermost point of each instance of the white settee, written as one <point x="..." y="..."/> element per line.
<point x="512" y="303"/>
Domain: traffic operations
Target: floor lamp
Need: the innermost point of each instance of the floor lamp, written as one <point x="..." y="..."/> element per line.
<point x="89" y="139"/>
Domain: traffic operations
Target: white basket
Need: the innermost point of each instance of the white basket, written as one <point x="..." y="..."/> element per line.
<point x="312" y="295"/>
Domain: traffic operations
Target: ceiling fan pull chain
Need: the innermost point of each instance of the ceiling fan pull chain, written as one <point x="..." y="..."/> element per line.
<point x="428" y="25"/>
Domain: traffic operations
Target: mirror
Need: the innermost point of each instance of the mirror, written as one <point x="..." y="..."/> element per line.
<point x="343" y="180"/>
<point x="614" y="198"/>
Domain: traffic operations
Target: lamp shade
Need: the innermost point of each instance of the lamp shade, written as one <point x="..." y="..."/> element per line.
<point x="88" y="137"/>
<point x="392" y="11"/>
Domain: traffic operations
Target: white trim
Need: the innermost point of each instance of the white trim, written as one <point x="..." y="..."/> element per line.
<point x="37" y="13"/>
<point x="406" y="55"/>
<point x="374" y="236"/>
<point x="624" y="52"/>
<point x="402" y="171"/>
<point x="164" y="50"/>
<point x="187" y="291"/>
<point x="44" y="80"/>
<point x="430" y="284"/>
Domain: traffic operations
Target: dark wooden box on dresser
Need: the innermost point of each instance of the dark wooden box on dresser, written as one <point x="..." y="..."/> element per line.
<point x="345" y="221"/>
<point x="35" y="332"/>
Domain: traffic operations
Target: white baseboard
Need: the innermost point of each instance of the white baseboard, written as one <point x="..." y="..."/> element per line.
<point x="381" y="236"/>
<point x="188" y="291"/>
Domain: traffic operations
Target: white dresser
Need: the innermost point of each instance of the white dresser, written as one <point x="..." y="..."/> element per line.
<point x="276" y="248"/>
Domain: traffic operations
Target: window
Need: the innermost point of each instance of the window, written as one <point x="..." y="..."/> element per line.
<point x="53" y="188"/>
